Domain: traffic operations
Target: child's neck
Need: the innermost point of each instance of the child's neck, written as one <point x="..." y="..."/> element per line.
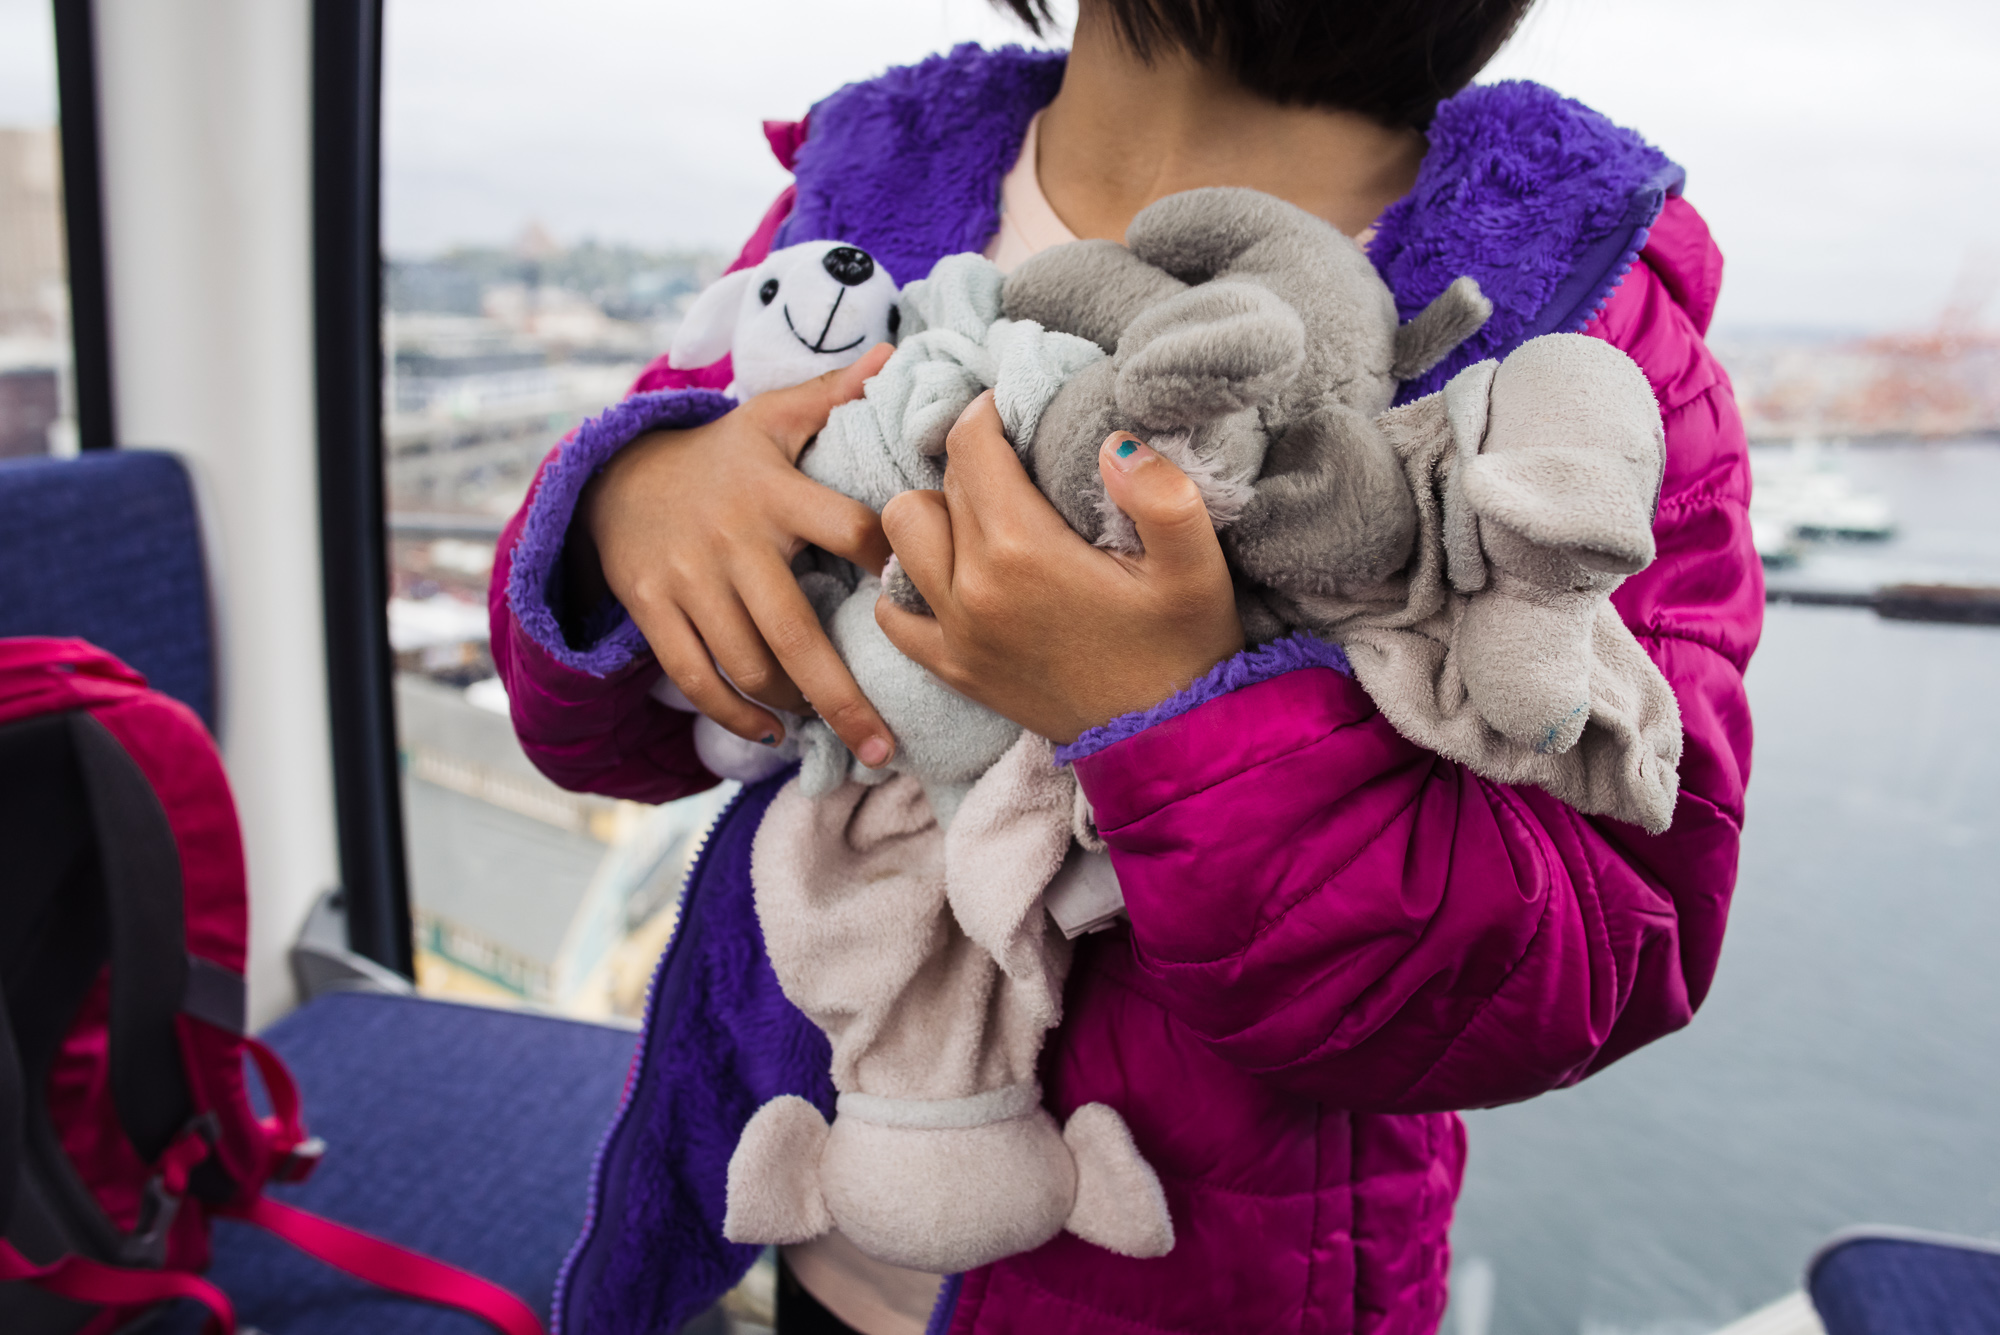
<point x="1122" y="133"/>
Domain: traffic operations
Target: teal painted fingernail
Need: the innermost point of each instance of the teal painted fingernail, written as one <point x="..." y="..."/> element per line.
<point x="1126" y="448"/>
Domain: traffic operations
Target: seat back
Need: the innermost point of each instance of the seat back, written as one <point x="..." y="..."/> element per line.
<point x="1888" y="1281"/>
<point x="106" y="547"/>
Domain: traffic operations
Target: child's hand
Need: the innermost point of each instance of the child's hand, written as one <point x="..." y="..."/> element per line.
<point x="1035" y="623"/>
<point x="695" y="531"/>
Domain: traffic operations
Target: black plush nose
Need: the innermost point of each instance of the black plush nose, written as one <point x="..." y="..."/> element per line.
<point x="849" y="266"/>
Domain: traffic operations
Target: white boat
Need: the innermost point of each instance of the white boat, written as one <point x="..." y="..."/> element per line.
<point x="1800" y="493"/>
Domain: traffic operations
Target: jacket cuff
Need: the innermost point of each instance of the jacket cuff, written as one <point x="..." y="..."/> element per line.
<point x="1233" y="674"/>
<point x="609" y="639"/>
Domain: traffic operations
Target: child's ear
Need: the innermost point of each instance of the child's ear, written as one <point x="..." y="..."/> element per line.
<point x="710" y="327"/>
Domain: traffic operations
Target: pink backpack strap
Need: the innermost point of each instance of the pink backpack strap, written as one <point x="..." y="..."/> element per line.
<point x="86" y="1281"/>
<point x="294" y="1153"/>
<point x="391" y="1267"/>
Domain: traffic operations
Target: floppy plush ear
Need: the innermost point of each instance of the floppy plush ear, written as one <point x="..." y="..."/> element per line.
<point x="710" y="327"/>
<point x="773" y="1185"/>
<point x="1198" y="234"/>
<point x="1455" y="315"/>
<point x="1207" y="352"/>
<point x="1092" y="289"/>
<point x="1588" y="502"/>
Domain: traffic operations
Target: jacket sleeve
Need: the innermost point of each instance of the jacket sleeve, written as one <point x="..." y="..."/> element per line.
<point x="1363" y="922"/>
<point x="578" y="680"/>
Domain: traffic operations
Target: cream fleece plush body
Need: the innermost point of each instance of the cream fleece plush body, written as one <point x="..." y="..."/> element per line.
<point x="927" y="958"/>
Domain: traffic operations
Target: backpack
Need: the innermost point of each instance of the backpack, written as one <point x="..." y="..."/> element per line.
<point x="125" y="1116"/>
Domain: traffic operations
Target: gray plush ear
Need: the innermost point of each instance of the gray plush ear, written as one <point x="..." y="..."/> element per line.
<point x="1332" y="509"/>
<point x="1092" y="289"/>
<point x="1456" y="315"/>
<point x="1197" y="234"/>
<point x="1208" y="352"/>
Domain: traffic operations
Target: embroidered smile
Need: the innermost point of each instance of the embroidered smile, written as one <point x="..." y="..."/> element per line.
<point x="819" y="344"/>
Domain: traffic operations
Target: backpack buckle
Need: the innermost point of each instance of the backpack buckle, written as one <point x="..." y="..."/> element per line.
<point x="297" y="1163"/>
<point x="146" y="1245"/>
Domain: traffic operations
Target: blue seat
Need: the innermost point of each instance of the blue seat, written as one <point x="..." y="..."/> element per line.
<point x="1894" y="1282"/>
<point x="106" y="547"/>
<point x="463" y="1132"/>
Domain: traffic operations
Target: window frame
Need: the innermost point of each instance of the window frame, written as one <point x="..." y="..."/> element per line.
<point x="347" y="328"/>
<point x="83" y="224"/>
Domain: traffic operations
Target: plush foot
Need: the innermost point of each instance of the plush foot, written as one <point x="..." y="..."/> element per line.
<point x="1119" y="1203"/>
<point x="774" y="1176"/>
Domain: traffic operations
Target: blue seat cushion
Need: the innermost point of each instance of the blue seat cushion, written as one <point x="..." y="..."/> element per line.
<point x="1889" y="1284"/>
<point x="105" y="547"/>
<point x="463" y="1132"/>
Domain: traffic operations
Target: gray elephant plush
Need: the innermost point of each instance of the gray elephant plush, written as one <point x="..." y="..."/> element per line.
<point x="1463" y="549"/>
<point x="1254" y="345"/>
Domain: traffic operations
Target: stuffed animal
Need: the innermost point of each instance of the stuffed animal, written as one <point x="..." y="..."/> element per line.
<point x="907" y="911"/>
<point x="1254" y="345"/>
<point x="1259" y="349"/>
<point x="1462" y="549"/>
<point x="806" y="310"/>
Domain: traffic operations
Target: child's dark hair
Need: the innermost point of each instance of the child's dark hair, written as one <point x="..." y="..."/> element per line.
<point x="1394" y="60"/>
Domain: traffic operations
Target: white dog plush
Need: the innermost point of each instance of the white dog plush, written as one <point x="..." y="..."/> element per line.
<point x="806" y="310"/>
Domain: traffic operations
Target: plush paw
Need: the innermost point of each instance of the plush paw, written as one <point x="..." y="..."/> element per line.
<point x="727" y="756"/>
<point x="774" y="1176"/>
<point x="1119" y="1203"/>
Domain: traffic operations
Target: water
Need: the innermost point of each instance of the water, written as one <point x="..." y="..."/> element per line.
<point x="1946" y="499"/>
<point x="1846" y="1066"/>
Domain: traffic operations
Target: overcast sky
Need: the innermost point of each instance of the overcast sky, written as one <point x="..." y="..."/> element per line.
<point x="1846" y="152"/>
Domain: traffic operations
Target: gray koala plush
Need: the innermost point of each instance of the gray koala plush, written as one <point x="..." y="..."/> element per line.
<point x="1254" y="345"/>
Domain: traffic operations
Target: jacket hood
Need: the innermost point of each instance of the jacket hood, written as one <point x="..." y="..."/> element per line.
<point x="909" y="165"/>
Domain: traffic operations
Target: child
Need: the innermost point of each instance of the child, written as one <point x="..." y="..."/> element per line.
<point x="1335" y="937"/>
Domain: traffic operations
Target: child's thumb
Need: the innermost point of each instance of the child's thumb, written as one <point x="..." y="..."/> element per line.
<point x="1163" y="503"/>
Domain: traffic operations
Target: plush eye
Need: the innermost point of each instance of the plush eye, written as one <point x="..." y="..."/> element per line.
<point x="768" y="291"/>
<point x="895" y="320"/>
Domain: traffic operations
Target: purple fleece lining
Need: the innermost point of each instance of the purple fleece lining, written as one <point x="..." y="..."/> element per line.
<point x="1541" y="199"/>
<point x="720" y="1041"/>
<point x="908" y="166"/>
<point x="1246" y="669"/>
<point x="533" y="590"/>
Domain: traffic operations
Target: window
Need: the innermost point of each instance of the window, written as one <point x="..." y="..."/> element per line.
<point x="1837" y="1071"/>
<point x="560" y="179"/>
<point x="37" y="391"/>
<point x="551" y="204"/>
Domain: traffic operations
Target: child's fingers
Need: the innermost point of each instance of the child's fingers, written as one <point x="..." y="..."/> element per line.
<point x="986" y="485"/>
<point x="686" y="661"/>
<point x="791" y="627"/>
<point x="919" y="527"/>
<point x="745" y="660"/>
<point x="1163" y="503"/>
<point x="917" y="637"/>
<point x="794" y="416"/>
<point x="840" y="524"/>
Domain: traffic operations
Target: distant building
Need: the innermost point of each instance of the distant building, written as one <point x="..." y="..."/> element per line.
<point x="31" y="248"/>
<point x="1937" y="385"/>
<point x="34" y="294"/>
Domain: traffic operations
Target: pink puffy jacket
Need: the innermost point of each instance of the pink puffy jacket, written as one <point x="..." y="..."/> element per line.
<point x="1336" y="937"/>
